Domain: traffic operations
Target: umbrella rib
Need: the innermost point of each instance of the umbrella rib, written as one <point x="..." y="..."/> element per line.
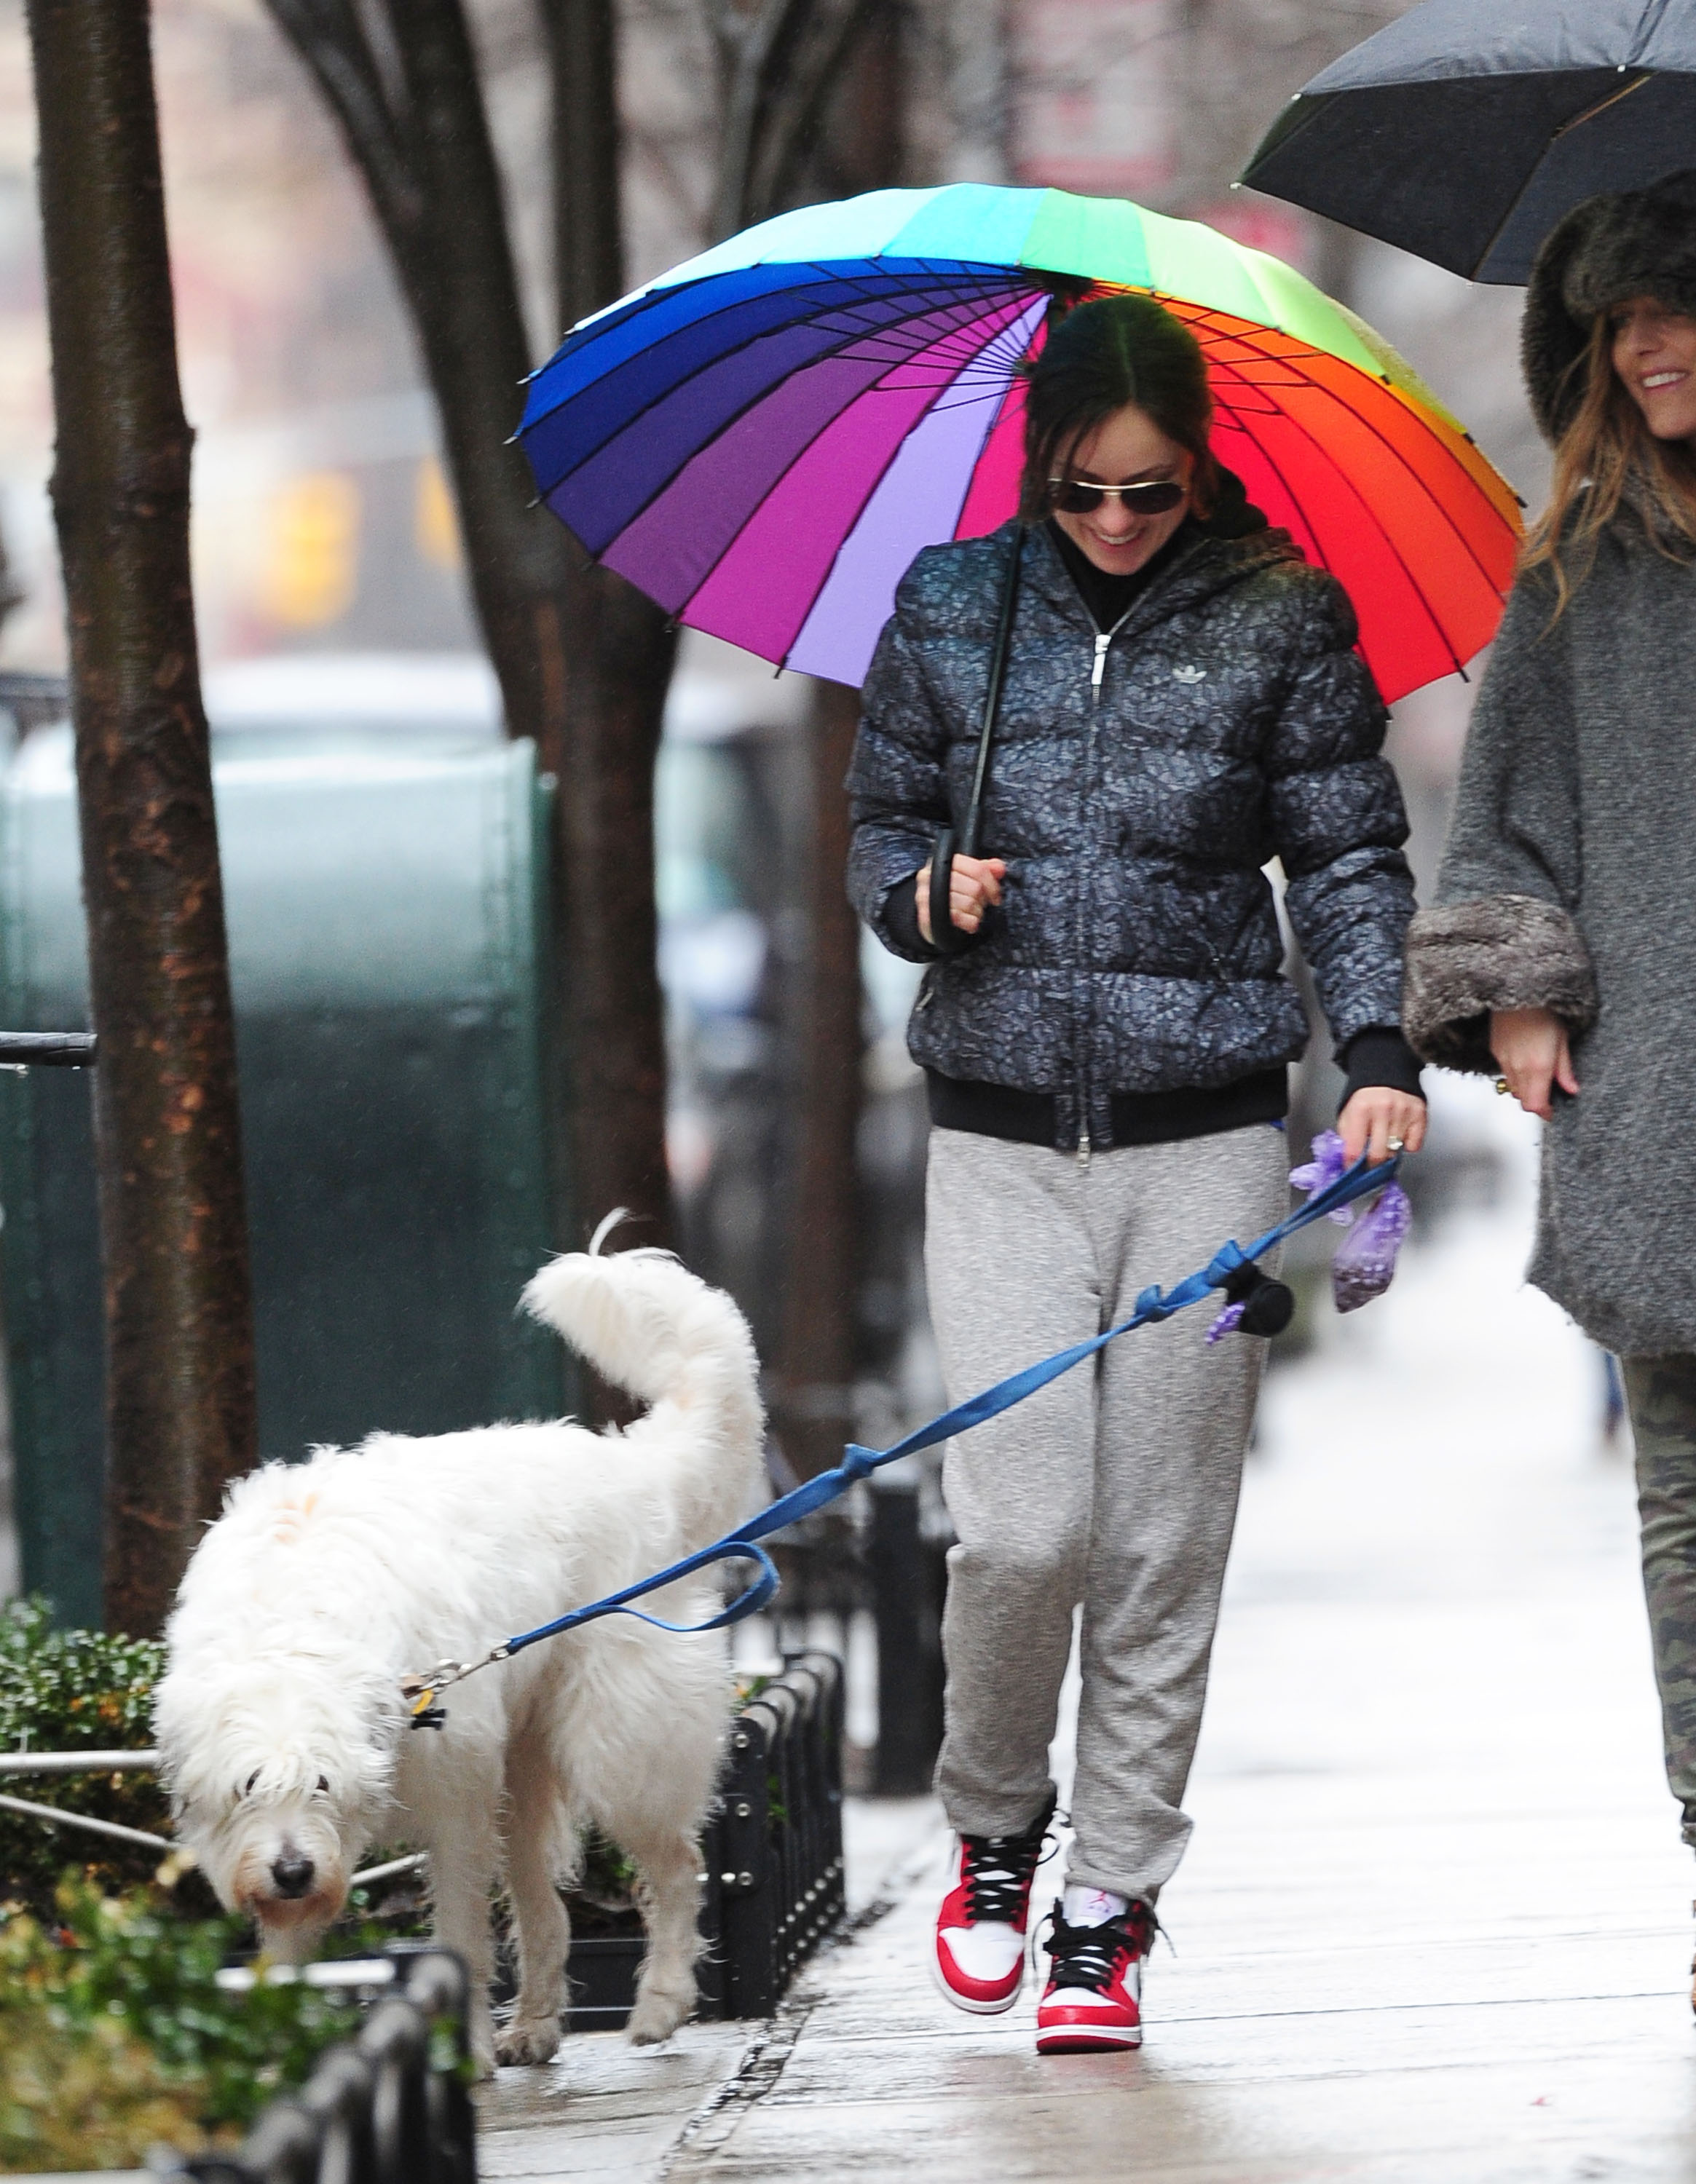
<point x="1521" y="194"/>
<point x="727" y="424"/>
<point x="1467" y="546"/>
<point x="872" y="490"/>
<point x="1418" y="588"/>
<point x="824" y="271"/>
<point x="848" y="335"/>
<point x="1367" y="423"/>
<point x="883" y="472"/>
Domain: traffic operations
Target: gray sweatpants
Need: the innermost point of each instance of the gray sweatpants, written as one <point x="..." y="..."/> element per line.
<point x="1115" y="1486"/>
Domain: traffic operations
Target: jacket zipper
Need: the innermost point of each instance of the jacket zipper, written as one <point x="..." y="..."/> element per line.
<point x="1098" y="668"/>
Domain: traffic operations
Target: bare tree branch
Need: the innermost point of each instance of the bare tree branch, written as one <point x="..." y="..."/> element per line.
<point x="795" y="106"/>
<point x="329" y="38"/>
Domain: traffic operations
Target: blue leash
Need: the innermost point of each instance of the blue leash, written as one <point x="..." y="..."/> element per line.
<point x="1154" y="1304"/>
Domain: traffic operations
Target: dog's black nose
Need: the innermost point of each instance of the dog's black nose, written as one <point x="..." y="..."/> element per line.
<point x="291" y="1872"/>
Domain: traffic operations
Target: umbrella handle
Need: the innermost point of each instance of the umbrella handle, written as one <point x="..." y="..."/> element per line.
<point x="946" y="936"/>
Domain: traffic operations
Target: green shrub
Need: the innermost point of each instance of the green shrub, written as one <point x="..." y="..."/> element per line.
<point x="60" y="1689"/>
<point x="114" y="2035"/>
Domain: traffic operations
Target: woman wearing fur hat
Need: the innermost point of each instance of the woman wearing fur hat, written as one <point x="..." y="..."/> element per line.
<point x="1182" y="701"/>
<point x="1561" y="956"/>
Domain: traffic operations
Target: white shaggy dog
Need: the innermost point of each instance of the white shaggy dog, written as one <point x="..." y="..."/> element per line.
<point x="285" y="1738"/>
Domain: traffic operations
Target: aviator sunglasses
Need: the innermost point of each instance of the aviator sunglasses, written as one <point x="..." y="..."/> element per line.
<point x="1153" y="497"/>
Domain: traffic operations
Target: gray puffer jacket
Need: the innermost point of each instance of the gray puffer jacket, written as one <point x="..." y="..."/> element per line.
<point x="1138" y="784"/>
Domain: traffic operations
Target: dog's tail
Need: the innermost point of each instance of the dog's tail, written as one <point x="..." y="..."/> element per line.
<point x="655" y="1329"/>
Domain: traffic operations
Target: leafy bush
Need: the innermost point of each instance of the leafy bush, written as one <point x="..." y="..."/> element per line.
<point x="115" y="2036"/>
<point x="60" y="1689"/>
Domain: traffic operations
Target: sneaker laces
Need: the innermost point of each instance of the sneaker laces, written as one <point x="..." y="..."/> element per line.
<point x="1088" y="1957"/>
<point x="998" y="1870"/>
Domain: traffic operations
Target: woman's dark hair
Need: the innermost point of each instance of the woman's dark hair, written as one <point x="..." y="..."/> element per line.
<point x="1098" y="358"/>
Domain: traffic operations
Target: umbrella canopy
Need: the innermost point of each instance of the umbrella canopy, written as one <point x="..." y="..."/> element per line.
<point x="762" y="439"/>
<point x="1468" y="128"/>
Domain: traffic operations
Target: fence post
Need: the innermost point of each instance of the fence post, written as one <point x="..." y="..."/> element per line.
<point x="908" y="1579"/>
<point x="747" y="1881"/>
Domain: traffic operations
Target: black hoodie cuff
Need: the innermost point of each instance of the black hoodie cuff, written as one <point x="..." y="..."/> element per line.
<point x="1380" y="1055"/>
<point x="900" y="920"/>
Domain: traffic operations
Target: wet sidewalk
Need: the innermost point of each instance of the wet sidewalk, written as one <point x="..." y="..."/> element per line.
<point x="1434" y="1923"/>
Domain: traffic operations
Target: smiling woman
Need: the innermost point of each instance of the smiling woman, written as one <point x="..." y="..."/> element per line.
<point x="1561" y="956"/>
<point x="1180" y="698"/>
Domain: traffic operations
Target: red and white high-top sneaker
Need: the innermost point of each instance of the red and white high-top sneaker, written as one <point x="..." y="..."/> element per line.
<point x="978" y="1959"/>
<point x="1093" y="1999"/>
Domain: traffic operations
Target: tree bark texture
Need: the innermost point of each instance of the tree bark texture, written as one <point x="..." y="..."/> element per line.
<point x="622" y="651"/>
<point x="180" y="1420"/>
<point x="853" y="143"/>
<point x="584" y="661"/>
<point x="588" y="236"/>
<point x="812" y="1388"/>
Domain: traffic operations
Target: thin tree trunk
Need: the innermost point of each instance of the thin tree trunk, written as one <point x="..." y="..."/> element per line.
<point x="622" y="653"/>
<point x="582" y="659"/>
<point x="818" y="1352"/>
<point x="812" y="1395"/>
<point x="622" y="650"/>
<point x="588" y="238"/>
<point x="179" y="1319"/>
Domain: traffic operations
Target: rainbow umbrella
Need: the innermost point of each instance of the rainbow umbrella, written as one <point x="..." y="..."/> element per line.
<point x="763" y="439"/>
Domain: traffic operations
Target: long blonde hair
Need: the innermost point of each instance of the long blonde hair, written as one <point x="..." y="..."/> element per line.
<point x="1607" y="458"/>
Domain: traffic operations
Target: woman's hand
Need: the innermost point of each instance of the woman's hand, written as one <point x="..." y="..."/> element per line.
<point x="1531" y="1049"/>
<point x="1377" y="1114"/>
<point x="974" y="884"/>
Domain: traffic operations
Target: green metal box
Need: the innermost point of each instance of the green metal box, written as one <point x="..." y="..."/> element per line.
<point x="385" y="881"/>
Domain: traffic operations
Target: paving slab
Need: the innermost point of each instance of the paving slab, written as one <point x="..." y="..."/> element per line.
<point x="604" y="2110"/>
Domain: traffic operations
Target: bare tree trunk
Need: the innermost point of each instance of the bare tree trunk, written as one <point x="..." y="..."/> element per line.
<point x="812" y="1402"/>
<point x="812" y="1391"/>
<point x="622" y="653"/>
<point x="179" y="1319"/>
<point x="589" y="237"/>
<point x="584" y="661"/>
<point x="623" y="650"/>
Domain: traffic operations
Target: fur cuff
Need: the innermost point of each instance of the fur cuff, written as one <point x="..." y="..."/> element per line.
<point x="1498" y="952"/>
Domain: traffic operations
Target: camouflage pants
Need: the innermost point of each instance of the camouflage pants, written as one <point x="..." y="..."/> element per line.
<point x="1661" y="1392"/>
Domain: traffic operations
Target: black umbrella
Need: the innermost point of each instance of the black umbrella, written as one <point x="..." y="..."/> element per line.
<point x="1466" y="129"/>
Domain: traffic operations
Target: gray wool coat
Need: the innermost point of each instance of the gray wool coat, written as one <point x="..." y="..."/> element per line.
<point x="1137" y="787"/>
<point x="1569" y="882"/>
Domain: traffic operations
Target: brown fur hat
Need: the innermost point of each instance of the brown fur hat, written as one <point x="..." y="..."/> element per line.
<point x="1606" y="250"/>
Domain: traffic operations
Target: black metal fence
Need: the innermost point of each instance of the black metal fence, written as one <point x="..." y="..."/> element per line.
<point x="882" y="1556"/>
<point x="771" y="1860"/>
<point x="773" y="1853"/>
<point x="390" y="2107"/>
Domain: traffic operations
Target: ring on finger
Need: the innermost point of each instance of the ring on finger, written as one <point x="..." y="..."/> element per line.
<point x="1395" y="1144"/>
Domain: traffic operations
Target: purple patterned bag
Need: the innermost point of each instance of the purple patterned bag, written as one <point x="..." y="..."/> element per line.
<point x="1365" y="1262"/>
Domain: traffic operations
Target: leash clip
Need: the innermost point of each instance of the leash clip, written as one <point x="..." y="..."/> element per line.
<point x="421" y="1693"/>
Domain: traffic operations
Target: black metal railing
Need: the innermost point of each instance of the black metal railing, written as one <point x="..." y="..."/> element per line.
<point x="390" y="2107"/>
<point x="773" y="1851"/>
<point x="884" y="1556"/>
<point x="49" y="1050"/>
